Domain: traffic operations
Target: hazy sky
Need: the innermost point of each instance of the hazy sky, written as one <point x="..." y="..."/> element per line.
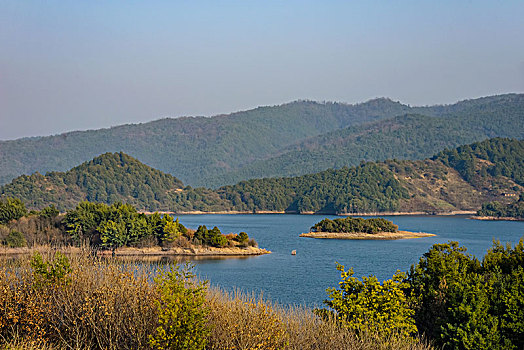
<point x="68" y="65"/>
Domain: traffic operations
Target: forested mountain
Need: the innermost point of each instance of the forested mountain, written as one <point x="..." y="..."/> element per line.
<point x="411" y="136"/>
<point x="193" y="148"/>
<point x="108" y="178"/>
<point x="455" y="179"/>
<point x="288" y="140"/>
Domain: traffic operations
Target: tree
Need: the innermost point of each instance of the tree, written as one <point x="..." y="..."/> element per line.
<point x="182" y="314"/>
<point x="113" y="234"/>
<point x="11" y="209"/>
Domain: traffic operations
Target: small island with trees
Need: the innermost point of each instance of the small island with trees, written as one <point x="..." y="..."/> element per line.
<point x="359" y="228"/>
<point x="116" y="229"/>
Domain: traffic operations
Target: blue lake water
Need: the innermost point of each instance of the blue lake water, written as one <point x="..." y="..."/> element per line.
<point x="303" y="278"/>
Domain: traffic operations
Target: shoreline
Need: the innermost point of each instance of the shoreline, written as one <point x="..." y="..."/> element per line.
<point x="367" y="236"/>
<point x="147" y="252"/>
<point x="235" y="212"/>
<point x="495" y="218"/>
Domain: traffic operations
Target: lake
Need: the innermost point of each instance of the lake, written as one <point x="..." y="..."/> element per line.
<point x="303" y="278"/>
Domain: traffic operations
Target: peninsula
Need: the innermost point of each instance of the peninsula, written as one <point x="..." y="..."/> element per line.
<point x="117" y="229"/>
<point x="358" y="228"/>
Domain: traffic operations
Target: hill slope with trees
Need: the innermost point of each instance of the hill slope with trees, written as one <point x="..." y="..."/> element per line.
<point x="288" y="140"/>
<point x="456" y="179"/>
<point x="410" y="136"/>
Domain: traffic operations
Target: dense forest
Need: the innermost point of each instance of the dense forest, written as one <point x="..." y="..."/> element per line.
<point x="355" y="225"/>
<point x="456" y="179"/>
<point x="288" y="140"/>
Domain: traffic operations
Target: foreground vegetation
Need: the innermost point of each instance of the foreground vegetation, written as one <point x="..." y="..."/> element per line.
<point x="83" y="302"/>
<point x="51" y="301"/>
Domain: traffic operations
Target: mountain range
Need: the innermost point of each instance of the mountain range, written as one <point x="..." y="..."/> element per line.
<point x="452" y="180"/>
<point x="288" y="140"/>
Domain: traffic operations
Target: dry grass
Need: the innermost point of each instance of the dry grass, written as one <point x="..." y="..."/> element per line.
<point x="244" y="322"/>
<point x="107" y="304"/>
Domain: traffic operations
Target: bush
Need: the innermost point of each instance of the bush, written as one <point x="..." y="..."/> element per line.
<point x="368" y="306"/>
<point x="182" y="315"/>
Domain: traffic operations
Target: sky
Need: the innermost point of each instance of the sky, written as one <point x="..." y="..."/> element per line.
<point x="76" y="65"/>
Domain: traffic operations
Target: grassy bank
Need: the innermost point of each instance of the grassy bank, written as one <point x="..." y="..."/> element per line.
<point x="48" y="301"/>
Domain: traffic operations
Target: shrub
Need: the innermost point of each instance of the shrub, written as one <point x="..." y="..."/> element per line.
<point x="368" y="306"/>
<point x="182" y="315"/>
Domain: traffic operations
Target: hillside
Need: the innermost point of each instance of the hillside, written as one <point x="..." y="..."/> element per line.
<point x="410" y="136"/>
<point x="455" y="179"/>
<point x="193" y="148"/>
<point x="108" y="178"/>
<point x="288" y="140"/>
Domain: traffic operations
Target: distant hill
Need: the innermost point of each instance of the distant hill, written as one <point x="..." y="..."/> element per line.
<point x="193" y="148"/>
<point x="288" y="140"/>
<point x="456" y="179"/>
<point x="410" y="136"/>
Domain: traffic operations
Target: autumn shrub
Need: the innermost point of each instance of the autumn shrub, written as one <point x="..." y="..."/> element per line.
<point x="244" y="322"/>
<point x="76" y="302"/>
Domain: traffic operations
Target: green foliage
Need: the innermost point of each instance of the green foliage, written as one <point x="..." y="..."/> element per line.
<point x="49" y="212"/>
<point x="497" y="209"/>
<point x="108" y="178"/>
<point x="365" y="188"/>
<point x="112" y="234"/>
<point x="349" y="224"/>
<point x="505" y="156"/>
<point x="52" y="272"/>
<point x="120" y="225"/>
<point x="15" y="239"/>
<point x="464" y="304"/>
<point x="182" y="312"/>
<point x="242" y="237"/>
<point x="11" y="209"/>
<point x="369" y="306"/>
<point x="213" y="237"/>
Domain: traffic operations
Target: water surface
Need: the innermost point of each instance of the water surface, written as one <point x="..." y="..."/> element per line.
<point x="302" y="279"/>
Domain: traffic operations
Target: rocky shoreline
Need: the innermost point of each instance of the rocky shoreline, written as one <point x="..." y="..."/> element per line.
<point x="368" y="236"/>
<point x="495" y="218"/>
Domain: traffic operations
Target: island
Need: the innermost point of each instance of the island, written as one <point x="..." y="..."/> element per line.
<point x="359" y="228"/>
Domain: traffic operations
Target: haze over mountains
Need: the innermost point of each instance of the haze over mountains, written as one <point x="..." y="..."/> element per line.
<point x="288" y="140"/>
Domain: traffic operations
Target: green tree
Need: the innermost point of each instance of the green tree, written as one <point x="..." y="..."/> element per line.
<point x="113" y="234"/>
<point x="182" y="314"/>
<point x="11" y="209"/>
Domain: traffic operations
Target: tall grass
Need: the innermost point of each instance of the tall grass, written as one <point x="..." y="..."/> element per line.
<point x="108" y="304"/>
